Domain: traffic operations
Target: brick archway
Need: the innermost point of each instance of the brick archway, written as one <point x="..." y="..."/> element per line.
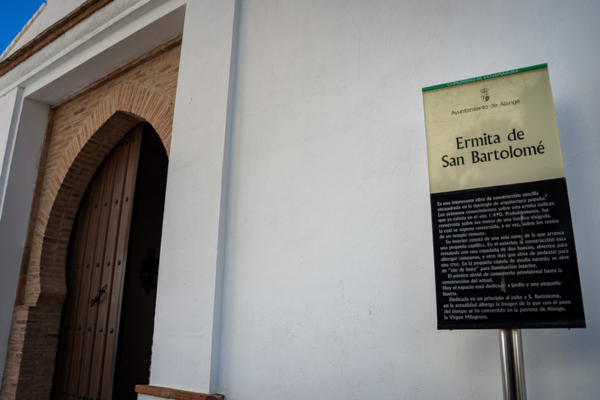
<point x="36" y="320"/>
<point x="124" y="107"/>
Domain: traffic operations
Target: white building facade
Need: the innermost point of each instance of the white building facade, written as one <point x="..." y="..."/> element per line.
<point x="296" y="257"/>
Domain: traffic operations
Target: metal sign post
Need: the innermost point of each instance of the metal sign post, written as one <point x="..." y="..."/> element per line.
<point x="513" y="370"/>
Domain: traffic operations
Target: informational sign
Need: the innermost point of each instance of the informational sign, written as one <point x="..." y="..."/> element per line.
<point x="503" y="239"/>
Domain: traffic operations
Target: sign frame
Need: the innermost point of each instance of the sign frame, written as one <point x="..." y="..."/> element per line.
<point x="504" y="248"/>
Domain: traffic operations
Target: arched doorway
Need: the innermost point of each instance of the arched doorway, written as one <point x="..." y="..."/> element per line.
<point x="108" y="317"/>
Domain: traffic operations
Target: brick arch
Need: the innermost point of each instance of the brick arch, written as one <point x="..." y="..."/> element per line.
<point x="36" y="320"/>
<point x="82" y="130"/>
<point x="141" y="101"/>
<point x="121" y="109"/>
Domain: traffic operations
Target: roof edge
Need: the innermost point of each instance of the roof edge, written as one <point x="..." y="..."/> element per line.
<point x="52" y="33"/>
<point x="22" y="32"/>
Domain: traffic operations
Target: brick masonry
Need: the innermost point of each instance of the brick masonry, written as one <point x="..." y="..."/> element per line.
<point x="167" y="393"/>
<point x="81" y="132"/>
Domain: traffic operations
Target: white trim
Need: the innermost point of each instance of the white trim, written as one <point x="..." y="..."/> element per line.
<point x="187" y="329"/>
<point x="10" y="144"/>
<point x="18" y="182"/>
<point x="101" y="39"/>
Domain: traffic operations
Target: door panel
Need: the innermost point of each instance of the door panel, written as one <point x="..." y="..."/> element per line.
<point x="95" y="272"/>
<point x="74" y="275"/>
<point x="99" y="345"/>
<point x="114" y="307"/>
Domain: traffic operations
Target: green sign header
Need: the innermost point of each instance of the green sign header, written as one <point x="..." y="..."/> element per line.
<point x="484" y="77"/>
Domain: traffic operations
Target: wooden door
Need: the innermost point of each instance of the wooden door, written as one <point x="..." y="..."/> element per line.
<point x="95" y="273"/>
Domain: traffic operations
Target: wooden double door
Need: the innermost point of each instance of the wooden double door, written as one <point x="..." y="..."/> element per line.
<point x="93" y="316"/>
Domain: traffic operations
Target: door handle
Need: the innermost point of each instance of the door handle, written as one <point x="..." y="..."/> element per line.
<point x="100" y="293"/>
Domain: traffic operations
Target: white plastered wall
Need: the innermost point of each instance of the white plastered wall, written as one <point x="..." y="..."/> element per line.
<point x="327" y="256"/>
<point x="8" y="113"/>
<point x="9" y="110"/>
<point x="187" y="330"/>
<point x="19" y="171"/>
<point x="328" y="279"/>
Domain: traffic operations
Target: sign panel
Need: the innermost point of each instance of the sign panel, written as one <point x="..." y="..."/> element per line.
<point x="503" y="239"/>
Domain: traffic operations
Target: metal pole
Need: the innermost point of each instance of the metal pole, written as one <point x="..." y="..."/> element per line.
<point x="513" y="371"/>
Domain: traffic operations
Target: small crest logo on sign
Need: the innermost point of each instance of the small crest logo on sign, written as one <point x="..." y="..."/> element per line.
<point x="485" y="95"/>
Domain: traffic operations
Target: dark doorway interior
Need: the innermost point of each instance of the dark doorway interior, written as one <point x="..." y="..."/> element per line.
<point x="139" y="294"/>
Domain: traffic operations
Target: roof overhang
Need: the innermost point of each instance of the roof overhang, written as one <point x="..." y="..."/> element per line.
<point x="130" y="34"/>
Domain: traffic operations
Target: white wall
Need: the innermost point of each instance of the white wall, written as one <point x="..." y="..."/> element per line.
<point x="17" y="184"/>
<point x="187" y="327"/>
<point x="329" y="285"/>
<point x="8" y="111"/>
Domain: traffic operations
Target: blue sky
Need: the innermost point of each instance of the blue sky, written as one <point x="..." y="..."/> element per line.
<point x="14" y="14"/>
